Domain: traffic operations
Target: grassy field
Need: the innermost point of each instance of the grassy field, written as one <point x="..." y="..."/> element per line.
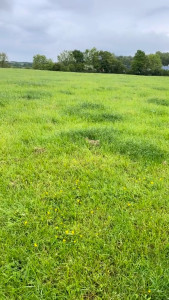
<point x="84" y="177"/>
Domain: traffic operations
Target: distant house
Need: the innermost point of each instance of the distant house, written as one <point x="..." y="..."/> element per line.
<point x="165" y="68"/>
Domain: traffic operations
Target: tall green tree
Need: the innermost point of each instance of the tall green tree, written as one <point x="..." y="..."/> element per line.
<point x="40" y="62"/>
<point x="91" y="59"/>
<point x="106" y="62"/>
<point x="139" y="64"/>
<point x="154" y="64"/>
<point x="3" y="60"/>
<point x="125" y="60"/>
<point x="78" y="60"/>
<point x="66" y="58"/>
<point x="78" y="56"/>
<point x="164" y="57"/>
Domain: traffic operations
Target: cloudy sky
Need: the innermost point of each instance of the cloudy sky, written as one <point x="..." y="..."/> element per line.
<point x="51" y="26"/>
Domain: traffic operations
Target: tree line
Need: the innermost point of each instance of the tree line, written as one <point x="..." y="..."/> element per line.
<point x="98" y="61"/>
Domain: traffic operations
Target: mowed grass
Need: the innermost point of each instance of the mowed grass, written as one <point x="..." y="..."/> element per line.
<point x="84" y="177"/>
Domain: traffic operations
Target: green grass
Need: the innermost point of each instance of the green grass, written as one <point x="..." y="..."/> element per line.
<point x="83" y="220"/>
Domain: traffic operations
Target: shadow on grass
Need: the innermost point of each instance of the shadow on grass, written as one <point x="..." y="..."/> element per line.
<point x="89" y="105"/>
<point x="115" y="141"/>
<point x="93" y="112"/>
<point x="66" y="92"/>
<point x="4" y="98"/>
<point x="158" y="101"/>
<point x="34" y="95"/>
<point x="2" y="103"/>
<point x="158" y="88"/>
<point x="108" y="88"/>
<point x="155" y="112"/>
<point x="31" y="84"/>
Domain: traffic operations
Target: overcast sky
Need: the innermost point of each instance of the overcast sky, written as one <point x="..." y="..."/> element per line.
<point x="28" y="27"/>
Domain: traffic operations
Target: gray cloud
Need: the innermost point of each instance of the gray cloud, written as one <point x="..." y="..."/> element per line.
<point x="50" y="26"/>
<point x="158" y="11"/>
<point x="4" y="5"/>
<point x="79" y="6"/>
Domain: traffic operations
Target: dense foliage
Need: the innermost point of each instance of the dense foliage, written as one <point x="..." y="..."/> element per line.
<point x="99" y="61"/>
<point x="143" y="64"/>
<point x="164" y="58"/>
<point x="40" y="62"/>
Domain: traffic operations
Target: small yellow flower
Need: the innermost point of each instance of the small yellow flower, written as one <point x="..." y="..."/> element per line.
<point x="78" y="201"/>
<point x="149" y="291"/>
<point x="124" y="188"/>
<point x="26" y="222"/>
<point x="67" y="231"/>
<point x="61" y="191"/>
<point x="161" y="179"/>
<point x="129" y="204"/>
<point x="48" y="212"/>
<point x="35" y="245"/>
<point x="73" y="232"/>
<point x="92" y="212"/>
<point x="64" y="241"/>
<point x="74" y="241"/>
<point x="152" y="182"/>
<point x="57" y="227"/>
<point x="56" y="236"/>
<point x="56" y="209"/>
<point x="81" y="235"/>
